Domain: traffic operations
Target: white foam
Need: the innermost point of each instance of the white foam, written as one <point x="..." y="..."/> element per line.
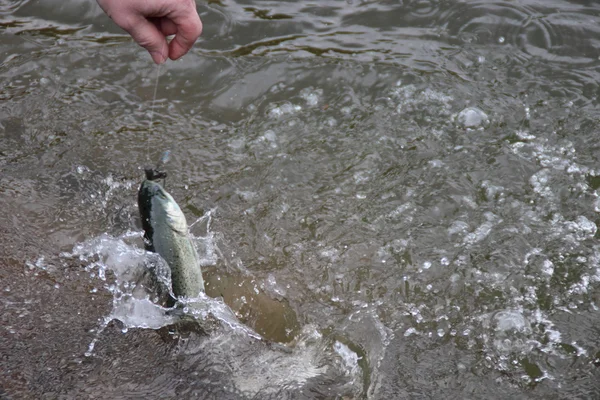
<point x="410" y="331"/>
<point x="408" y="97"/>
<point x="276" y="111"/>
<point x="548" y="268"/>
<point x="482" y="231"/>
<point x="524" y="135"/>
<point x="312" y="96"/>
<point x="458" y="227"/>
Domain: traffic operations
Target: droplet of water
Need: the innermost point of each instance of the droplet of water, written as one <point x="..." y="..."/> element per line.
<point x="524" y="135"/>
<point x="410" y="331"/>
<point x="501" y="39"/>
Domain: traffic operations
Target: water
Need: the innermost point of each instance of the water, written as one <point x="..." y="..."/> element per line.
<point x="404" y="194"/>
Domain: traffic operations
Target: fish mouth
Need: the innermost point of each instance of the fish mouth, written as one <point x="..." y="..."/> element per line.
<point x="153" y="174"/>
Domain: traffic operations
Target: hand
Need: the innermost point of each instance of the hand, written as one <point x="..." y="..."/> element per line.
<point x="150" y="21"/>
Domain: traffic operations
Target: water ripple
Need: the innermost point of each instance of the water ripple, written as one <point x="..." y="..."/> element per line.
<point x="537" y="31"/>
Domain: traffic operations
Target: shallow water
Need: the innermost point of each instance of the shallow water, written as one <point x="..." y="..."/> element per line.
<point x="415" y="183"/>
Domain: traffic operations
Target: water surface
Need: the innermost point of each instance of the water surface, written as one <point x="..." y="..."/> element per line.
<point x="410" y="186"/>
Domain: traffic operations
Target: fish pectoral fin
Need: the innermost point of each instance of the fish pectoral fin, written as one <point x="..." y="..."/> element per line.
<point x="178" y="224"/>
<point x="181" y="231"/>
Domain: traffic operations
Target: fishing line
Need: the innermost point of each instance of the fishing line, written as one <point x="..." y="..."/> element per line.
<point x="152" y="113"/>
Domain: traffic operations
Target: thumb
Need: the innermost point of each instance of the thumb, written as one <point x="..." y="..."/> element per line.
<point x="147" y="35"/>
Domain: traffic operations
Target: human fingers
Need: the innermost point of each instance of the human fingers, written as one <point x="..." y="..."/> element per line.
<point x="165" y="26"/>
<point x="147" y="35"/>
<point x="189" y="28"/>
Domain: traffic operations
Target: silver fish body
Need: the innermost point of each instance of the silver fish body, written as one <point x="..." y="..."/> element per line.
<point x="166" y="233"/>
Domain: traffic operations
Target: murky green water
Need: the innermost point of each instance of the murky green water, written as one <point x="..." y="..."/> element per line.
<point x="410" y="187"/>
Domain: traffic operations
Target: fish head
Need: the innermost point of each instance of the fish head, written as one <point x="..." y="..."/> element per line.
<point x="159" y="210"/>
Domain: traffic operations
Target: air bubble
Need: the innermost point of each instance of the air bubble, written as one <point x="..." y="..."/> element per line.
<point x="472" y="117"/>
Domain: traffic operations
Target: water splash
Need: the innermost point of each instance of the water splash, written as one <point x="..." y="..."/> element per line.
<point x="259" y="367"/>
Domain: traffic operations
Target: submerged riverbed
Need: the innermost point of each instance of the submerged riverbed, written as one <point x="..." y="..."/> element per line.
<point x="403" y="193"/>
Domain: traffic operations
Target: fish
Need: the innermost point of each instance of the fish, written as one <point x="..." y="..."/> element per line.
<point x="166" y="233"/>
